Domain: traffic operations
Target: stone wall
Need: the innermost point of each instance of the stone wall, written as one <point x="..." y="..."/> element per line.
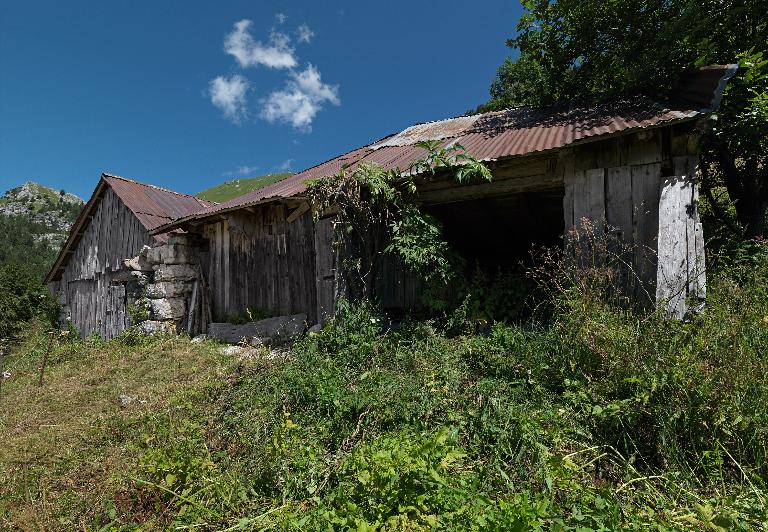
<point x="163" y="286"/>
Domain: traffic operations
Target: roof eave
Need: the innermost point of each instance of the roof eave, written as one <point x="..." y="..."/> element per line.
<point x="74" y="232"/>
<point x="180" y="223"/>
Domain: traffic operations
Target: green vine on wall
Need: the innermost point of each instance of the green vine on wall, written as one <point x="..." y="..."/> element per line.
<point x="377" y="213"/>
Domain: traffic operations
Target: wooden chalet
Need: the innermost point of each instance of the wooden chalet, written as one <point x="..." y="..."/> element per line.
<point x="114" y="225"/>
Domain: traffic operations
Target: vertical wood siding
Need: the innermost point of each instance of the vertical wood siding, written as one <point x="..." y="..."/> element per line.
<point x="643" y="186"/>
<point x="90" y="299"/>
<point x="261" y="261"/>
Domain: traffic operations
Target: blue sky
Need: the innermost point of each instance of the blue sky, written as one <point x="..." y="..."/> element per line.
<point x="188" y="94"/>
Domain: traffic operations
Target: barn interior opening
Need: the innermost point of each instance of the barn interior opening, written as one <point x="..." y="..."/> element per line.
<point x="500" y="232"/>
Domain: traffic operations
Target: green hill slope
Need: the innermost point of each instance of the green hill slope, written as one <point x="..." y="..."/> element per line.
<point x="238" y="187"/>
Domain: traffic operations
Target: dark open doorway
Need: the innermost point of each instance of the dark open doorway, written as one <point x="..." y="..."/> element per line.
<point x="499" y="232"/>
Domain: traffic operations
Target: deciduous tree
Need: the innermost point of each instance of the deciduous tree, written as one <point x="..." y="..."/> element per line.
<point x="594" y="49"/>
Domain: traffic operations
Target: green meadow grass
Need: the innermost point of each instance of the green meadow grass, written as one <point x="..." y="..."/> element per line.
<point x="237" y="187"/>
<point x="596" y="418"/>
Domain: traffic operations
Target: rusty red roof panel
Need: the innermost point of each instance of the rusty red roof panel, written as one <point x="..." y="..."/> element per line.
<point x="154" y="206"/>
<point x="512" y="132"/>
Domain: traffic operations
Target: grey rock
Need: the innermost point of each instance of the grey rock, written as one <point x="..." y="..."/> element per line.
<point x="200" y="338"/>
<point x="279" y="329"/>
<point x="233" y="350"/>
<point x="125" y="399"/>
<point x="165" y="289"/>
<point x="138" y="263"/>
<point x="178" y="254"/>
<point x="170" y="253"/>
<point x="171" y="308"/>
<point x="316" y="328"/>
<point x="174" y="272"/>
<point x="152" y="327"/>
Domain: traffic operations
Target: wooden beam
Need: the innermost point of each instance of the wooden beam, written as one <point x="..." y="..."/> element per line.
<point x="301" y="209"/>
<point x="457" y="192"/>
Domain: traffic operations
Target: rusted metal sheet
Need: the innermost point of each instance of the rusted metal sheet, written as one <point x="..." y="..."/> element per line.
<point x="154" y="206"/>
<point x="512" y="132"/>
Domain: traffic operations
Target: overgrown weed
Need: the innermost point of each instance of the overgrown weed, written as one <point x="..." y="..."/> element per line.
<point x="596" y="417"/>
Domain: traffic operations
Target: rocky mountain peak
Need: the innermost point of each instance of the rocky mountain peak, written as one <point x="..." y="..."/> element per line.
<point x="52" y="209"/>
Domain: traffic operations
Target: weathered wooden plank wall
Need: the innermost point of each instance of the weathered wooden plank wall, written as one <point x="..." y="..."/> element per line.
<point x="325" y="268"/>
<point x="681" y="271"/>
<point x="258" y="259"/>
<point x="643" y="186"/>
<point x="90" y="299"/>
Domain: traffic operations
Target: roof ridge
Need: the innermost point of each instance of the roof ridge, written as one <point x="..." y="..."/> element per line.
<point x="149" y="185"/>
<point x="482" y="113"/>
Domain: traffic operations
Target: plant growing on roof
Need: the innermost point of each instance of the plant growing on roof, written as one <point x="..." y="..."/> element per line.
<point x="377" y="214"/>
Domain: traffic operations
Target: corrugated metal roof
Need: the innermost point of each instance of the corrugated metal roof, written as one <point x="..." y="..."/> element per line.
<point x="153" y="206"/>
<point x="512" y="132"/>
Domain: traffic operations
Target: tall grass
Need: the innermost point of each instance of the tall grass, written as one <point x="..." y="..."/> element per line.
<point x="600" y="417"/>
<point x="596" y="416"/>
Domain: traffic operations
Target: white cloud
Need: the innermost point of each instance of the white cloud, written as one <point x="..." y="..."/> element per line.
<point x="304" y="34"/>
<point x="241" y="171"/>
<point x="277" y="53"/>
<point x="302" y="98"/>
<point x="228" y="94"/>
<point x="281" y="18"/>
<point x="285" y="165"/>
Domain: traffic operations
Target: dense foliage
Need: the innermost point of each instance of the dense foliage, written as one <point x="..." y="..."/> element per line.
<point x="22" y="298"/>
<point x="376" y="215"/>
<point x="592" y="49"/>
<point x="21" y="246"/>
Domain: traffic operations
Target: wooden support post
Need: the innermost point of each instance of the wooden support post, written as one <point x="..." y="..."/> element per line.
<point x="680" y="274"/>
<point x="45" y="358"/>
<point x="192" y="309"/>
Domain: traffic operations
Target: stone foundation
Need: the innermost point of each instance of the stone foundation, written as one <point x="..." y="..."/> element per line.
<point x="161" y="287"/>
<point x="269" y="331"/>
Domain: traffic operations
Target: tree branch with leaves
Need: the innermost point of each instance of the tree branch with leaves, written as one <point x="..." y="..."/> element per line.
<point x="377" y="213"/>
<point x="590" y="50"/>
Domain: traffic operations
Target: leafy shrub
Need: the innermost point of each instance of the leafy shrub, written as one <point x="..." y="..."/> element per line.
<point x="22" y="298"/>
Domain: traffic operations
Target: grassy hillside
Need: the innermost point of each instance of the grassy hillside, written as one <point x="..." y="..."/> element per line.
<point x="70" y="451"/>
<point x="593" y="419"/>
<point x="238" y="187"/>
